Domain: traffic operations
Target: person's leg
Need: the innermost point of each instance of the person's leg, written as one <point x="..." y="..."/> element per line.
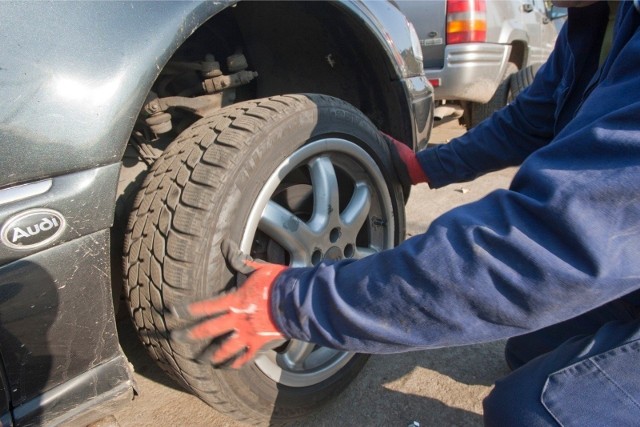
<point x="521" y="349"/>
<point x="586" y="381"/>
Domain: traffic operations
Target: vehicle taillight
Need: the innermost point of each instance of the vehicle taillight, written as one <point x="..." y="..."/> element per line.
<point x="466" y="21"/>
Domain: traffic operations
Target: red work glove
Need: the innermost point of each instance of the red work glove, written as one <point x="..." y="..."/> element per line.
<point x="244" y="315"/>
<point x="405" y="162"/>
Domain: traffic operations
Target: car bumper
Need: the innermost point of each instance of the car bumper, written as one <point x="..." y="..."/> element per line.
<point x="471" y="72"/>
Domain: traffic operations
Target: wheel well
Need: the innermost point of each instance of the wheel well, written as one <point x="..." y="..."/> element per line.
<point x="307" y="47"/>
<point x="518" y="53"/>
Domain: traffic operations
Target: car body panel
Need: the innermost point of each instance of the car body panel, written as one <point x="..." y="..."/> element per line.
<point x="84" y="199"/>
<point x="80" y="401"/>
<point x="421" y="109"/>
<point x="5" y="415"/>
<point x="379" y="15"/>
<point x="57" y="321"/>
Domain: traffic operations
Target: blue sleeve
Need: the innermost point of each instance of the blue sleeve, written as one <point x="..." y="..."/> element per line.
<point x="512" y="134"/>
<point x="563" y="239"/>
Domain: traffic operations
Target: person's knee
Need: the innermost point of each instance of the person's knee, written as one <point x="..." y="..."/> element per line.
<point x="511" y="356"/>
<point x="498" y="409"/>
<point x="515" y="400"/>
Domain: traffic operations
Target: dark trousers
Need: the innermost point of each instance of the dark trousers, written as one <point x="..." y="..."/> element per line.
<point x="581" y="372"/>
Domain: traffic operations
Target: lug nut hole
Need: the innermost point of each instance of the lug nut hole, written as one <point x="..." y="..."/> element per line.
<point x="316" y="257"/>
<point x="335" y="234"/>
<point x="349" y="251"/>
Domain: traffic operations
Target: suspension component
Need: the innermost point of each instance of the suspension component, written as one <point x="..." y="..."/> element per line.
<point x="220" y="83"/>
<point x="216" y="86"/>
<point x="159" y="123"/>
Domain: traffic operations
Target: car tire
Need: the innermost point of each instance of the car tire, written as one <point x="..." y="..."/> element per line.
<point x="239" y="173"/>
<point x="522" y="79"/>
<point x="479" y="112"/>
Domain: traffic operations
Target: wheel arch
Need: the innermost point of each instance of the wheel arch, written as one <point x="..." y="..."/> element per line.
<point x="515" y="34"/>
<point x="295" y="47"/>
<point x="299" y="47"/>
<point x="328" y="48"/>
<point x="519" y="53"/>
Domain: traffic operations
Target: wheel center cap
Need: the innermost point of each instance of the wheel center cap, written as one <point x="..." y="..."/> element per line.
<point x="333" y="254"/>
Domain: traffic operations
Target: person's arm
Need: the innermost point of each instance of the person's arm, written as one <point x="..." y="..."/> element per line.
<point x="505" y="139"/>
<point x="508" y="136"/>
<point x="562" y="240"/>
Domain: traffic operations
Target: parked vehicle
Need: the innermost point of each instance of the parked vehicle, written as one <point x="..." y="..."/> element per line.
<point x="473" y="48"/>
<point x="134" y="136"/>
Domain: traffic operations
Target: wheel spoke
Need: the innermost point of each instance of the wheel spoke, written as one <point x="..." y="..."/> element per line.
<point x="357" y="210"/>
<point x="299" y="211"/>
<point x="362" y="252"/>
<point x="296" y="353"/>
<point x="326" y="202"/>
<point x="287" y="229"/>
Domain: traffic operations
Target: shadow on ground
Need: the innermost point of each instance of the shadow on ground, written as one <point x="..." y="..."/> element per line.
<point x="436" y="388"/>
<point x="442" y="387"/>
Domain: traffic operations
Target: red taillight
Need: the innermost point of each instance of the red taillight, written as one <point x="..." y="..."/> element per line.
<point x="466" y="21"/>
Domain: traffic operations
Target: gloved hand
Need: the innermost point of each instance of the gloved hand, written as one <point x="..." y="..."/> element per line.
<point x="405" y="163"/>
<point x="244" y="315"/>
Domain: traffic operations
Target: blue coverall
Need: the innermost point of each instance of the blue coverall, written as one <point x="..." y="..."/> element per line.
<point x="563" y="240"/>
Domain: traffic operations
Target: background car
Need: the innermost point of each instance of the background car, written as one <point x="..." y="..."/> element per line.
<point x="479" y="54"/>
<point x="136" y="135"/>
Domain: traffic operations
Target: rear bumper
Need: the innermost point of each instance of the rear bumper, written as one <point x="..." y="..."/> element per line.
<point x="471" y="72"/>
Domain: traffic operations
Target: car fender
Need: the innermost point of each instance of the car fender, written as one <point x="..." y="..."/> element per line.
<point x="513" y="31"/>
<point x="68" y="109"/>
<point x="389" y="26"/>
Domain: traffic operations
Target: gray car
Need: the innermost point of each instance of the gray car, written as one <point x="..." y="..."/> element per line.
<point x="134" y="136"/>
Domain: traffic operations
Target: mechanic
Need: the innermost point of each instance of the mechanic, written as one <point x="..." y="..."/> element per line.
<point x="551" y="263"/>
